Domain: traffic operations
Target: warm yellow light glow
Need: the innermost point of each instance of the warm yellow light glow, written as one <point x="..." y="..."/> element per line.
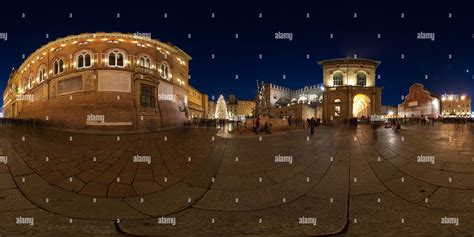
<point x="105" y="39"/>
<point x="463" y="97"/>
<point x="63" y="45"/>
<point x="361" y="106"/>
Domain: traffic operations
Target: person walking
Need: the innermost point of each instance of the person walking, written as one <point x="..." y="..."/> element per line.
<point x="312" y="124"/>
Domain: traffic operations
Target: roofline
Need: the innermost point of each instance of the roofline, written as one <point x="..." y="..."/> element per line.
<point x="430" y="93"/>
<point x="98" y="35"/>
<point x="376" y="62"/>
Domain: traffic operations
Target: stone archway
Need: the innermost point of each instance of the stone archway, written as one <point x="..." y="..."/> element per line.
<point x="361" y="106"/>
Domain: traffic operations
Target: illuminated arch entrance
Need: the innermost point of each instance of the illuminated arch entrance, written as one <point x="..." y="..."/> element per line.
<point x="361" y="106"/>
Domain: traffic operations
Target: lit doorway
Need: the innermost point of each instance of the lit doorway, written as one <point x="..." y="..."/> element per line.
<point x="361" y="106"/>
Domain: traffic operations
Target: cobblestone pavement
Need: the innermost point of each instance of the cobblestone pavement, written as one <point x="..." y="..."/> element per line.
<point x="339" y="181"/>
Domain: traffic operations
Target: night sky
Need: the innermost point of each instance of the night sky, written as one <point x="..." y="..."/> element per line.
<point x="240" y="56"/>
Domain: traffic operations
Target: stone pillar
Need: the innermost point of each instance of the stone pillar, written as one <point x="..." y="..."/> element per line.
<point x="372" y="104"/>
<point x="350" y="101"/>
<point x="325" y="105"/>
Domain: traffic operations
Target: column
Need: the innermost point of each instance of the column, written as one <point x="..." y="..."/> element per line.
<point x="350" y="104"/>
<point x="372" y="104"/>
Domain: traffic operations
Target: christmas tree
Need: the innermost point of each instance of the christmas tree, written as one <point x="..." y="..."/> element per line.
<point x="221" y="108"/>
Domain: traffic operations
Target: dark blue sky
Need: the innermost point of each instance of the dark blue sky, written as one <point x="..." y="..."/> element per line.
<point x="256" y="36"/>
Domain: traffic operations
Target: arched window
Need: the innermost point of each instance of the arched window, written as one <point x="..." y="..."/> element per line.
<point x="83" y="60"/>
<point x="361" y="79"/>
<point x="116" y="59"/>
<point x="41" y="74"/>
<point x="147" y="63"/>
<point x="165" y="71"/>
<point x="30" y="81"/>
<point x="144" y="61"/>
<point x="58" y="66"/>
<point x="337" y="79"/>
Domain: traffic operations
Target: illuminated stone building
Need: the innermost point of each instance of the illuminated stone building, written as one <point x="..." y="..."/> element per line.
<point x="197" y="103"/>
<point x="453" y="105"/>
<point x="389" y="111"/>
<point x="419" y="101"/>
<point x="211" y="109"/>
<point x="279" y="96"/>
<point x="232" y="106"/>
<point x="245" y="107"/>
<point x="135" y="82"/>
<point x="350" y="90"/>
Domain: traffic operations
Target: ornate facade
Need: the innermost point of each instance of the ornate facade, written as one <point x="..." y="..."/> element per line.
<point x="197" y="103"/>
<point x="454" y="105"/>
<point x="134" y="82"/>
<point x="350" y="90"/>
<point x="419" y="102"/>
<point x="278" y="96"/>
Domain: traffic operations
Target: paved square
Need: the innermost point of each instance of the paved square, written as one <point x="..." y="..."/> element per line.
<point x="193" y="181"/>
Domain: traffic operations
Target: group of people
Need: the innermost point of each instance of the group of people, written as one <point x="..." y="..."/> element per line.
<point x="427" y="121"/>
<point x="267" y="127"/>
